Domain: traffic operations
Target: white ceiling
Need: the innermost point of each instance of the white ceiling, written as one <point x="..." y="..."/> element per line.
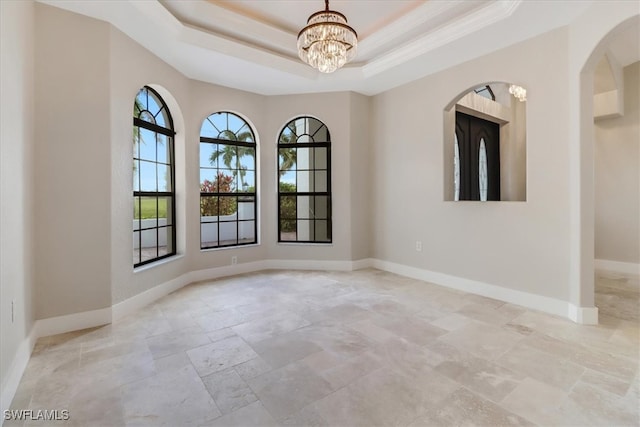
<point x="251" y="44"/>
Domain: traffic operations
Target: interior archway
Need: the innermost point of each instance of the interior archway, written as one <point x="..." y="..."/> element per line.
<point x="582" y="170"/>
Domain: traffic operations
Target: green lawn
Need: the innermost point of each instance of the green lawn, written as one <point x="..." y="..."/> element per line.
<point x="147" y="210"/>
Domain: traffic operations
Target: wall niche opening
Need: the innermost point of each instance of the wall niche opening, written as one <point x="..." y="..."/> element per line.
<point x="485" y="144"/>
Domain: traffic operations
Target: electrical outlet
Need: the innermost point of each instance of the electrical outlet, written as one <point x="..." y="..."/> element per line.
<point x="418" y="246"/>
<point x="234" y="260"/>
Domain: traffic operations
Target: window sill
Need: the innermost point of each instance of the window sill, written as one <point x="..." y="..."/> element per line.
<point x="157" y="263"/>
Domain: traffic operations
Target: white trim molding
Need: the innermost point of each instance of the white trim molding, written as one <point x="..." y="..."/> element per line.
<point x="11" y="382"/>
<point x="585" y="315"/>
<point x="72" y="322"/>
<point x="617" y="266"/>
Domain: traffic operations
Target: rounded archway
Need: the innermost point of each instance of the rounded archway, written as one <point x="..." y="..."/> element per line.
<point x="591" y="36"/>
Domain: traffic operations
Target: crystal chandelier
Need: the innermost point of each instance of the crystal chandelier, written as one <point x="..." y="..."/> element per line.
<point x="327" y="42"/>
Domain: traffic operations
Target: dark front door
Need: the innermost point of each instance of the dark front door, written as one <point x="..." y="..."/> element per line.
<point x="479" y="148"/>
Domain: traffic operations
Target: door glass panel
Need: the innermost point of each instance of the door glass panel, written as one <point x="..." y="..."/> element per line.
<point x="482" y="171"/>
<point x="456" y="170"/>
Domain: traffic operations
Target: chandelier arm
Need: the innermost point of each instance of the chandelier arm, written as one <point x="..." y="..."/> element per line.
<point x="348" y="45"/>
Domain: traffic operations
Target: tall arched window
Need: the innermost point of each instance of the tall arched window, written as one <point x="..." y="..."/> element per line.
<point x="228" y="208"/>
<point x="304" y="187"/>
<point x="154" y="231"/>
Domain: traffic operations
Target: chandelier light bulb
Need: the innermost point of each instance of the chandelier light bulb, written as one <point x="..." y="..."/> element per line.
<point x="519" y="92"/>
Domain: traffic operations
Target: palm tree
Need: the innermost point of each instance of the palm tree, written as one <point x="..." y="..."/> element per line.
<point x="288" y="158"/>
<point x="229" y="152"/>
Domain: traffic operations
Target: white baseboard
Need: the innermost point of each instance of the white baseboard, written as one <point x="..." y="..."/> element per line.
<point x="18" y="365"/>
<point x="136" y="302"/>
<point x="587" y="315"/>
<point x="617" y="266"/>
<point x="292" y="264"/>
<point x="583" y="315"/>
<point x="72" y="322"/>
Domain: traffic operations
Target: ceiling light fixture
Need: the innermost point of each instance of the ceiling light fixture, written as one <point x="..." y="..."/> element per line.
<point x="519" y="92"/>
<point x="327" y="42"/>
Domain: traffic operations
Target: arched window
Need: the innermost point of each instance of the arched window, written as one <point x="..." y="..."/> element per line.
<point x="154" y="230"/>
<point x="304" y="187"/>
<point x="228" y="208"/>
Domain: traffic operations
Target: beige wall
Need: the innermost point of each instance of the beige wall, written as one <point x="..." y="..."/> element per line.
<point x="522" y="246"/>
<point x="333" y="109"/>
<point x="361" y="171"/>
<point x="617" y="178"/>
<point x="72" y="164"/>
<point x="16" y="151"/>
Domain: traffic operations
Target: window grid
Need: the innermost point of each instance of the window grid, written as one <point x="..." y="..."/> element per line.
<point x="228" y="211"/>
<point x="304" y="190"/>
<point x="154" y="233"/>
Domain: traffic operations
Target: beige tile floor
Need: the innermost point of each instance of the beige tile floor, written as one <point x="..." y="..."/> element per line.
<point x="364" y="348"/>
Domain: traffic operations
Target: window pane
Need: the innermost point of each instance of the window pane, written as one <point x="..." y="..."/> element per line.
<point x="165" y="212"/>
<point x="305" y="230"/>
<point x="228" y="207"/>
<point x="288" y="182"/>
<point x="321" y="181"/>
<point x="163" y="147"/>
<point x="164" y="178"/>
<point x="244" y="133"/>
<point x="287" y="136"/>
<point x="235" y="123"/>
<point x="209" y="208"/>
<point x="304" y="139"/>
<point x="320" y="157"/>
<point x="287" y="159"/>
<point x="304" y="181"/>
<point x="321" y="207"/>
<point x="147" y="176"/>
<point x="219" y="122"/>
<point x="227" y="156"/>
<point x="288" y="231"/>
<point x="288" y="207"/>
<point x="247" y="181"/>
<point x="136" y="176"/>
<point x="247" y="230"/>
<point x="228" y="233"/>
<point x="247" y="158"/>
<point x="208" y="182"/>
<point x="148" y="211"/>
<point x="136" y="142"/>
<point x="322" y="231"/>
<point x="153" y="105"/>
<point x="304" y="158"/>
<point x="149" y="244"/>
<point x="321" y="134"/>
<point x="209" y="235"/>
<point x="164" y="240"/>
<point x="227" y="183"/>
<point x="147" y="144"/>
<point x="305" y="207"/>
<point x="246" y="210"/>
<point x="206" y="153"/>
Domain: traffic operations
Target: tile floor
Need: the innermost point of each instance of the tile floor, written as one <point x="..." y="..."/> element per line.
<point x="364" y="348"/>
